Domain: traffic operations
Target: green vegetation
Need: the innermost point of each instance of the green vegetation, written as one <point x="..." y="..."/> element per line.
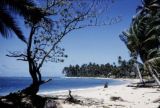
<point x="142" y="38"/>
<point x="124" y="69"/>
<point x="24" y="8"/>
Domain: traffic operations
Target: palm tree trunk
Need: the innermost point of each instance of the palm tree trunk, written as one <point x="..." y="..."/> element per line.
<point x="139" y="73"/>
<point x="153" y="75"/>
<point x="157" y="74"/>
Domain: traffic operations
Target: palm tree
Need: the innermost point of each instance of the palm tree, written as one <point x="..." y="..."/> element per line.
<point x="24" y="8"/>
<point x="148" y="6"/>
<point x="142" y="38"/>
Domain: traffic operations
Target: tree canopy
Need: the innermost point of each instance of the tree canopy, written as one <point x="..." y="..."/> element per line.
<point x="142" y="38"/>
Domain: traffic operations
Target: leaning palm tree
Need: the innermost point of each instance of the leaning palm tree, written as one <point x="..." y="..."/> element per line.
<point x="142" y="38"/>
<point x="25" y="8"/>
<point x="133" y="43"/>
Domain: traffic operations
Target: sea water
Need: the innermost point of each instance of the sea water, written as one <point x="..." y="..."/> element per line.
<point x="13" y="84"/>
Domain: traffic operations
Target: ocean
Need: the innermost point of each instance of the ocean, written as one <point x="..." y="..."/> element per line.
<point x="13" y="84"/>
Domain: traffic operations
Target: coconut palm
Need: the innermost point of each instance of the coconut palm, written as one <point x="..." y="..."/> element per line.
<point x="10" y="8"/>
<point x="142" y="38"/>
<point x="148" y="6"/>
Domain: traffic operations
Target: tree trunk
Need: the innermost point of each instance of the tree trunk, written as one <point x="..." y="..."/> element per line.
<point x="39" y="75"/>
<point x="36" y="77"/>
<point x="36" y="80"/>
<point x="157" y="74"/>
<point x="153" y="75"/>
<point x="31" y="90"/>
<point x="32" y="72"/>
<point x="34" y="87"/>
<point x="139" y="73"/>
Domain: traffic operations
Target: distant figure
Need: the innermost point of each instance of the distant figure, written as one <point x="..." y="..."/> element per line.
<point x="106" y="85"/>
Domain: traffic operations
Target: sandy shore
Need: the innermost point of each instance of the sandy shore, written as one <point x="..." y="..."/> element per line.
<point x="112" y="97"/>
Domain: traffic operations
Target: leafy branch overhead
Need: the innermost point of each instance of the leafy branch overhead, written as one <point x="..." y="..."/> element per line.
<point x="26" y="9"/>
<point x="65" y="16"/>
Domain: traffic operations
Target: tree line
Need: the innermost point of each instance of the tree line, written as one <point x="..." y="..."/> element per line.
<point x="123" y="69"/>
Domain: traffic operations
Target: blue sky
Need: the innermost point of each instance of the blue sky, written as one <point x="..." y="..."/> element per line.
<point x="92" y="44"/>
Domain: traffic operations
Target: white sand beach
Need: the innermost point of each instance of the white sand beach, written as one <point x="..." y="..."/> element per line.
<point x="100" y="97"/>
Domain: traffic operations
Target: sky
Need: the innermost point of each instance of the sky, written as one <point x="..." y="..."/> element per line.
<point x="92" y="44"/>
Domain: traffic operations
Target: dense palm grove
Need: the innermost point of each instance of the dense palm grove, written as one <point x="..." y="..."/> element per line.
<point x="123" y="69"/>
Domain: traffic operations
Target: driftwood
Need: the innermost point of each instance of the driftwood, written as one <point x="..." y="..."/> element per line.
<point x="145" y="84"/>
<point x="71" y="99"/>
<point x="157" y="100"/>
<point x="114" y="98"/>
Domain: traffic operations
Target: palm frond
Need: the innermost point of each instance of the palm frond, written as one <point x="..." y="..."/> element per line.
<point x="25" y="8"/>
<point x="152" y="53"/>
<point x="10" y="24"/>
<point x="4" y="32"/>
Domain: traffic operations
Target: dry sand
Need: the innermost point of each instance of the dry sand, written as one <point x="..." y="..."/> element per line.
<point x="125" y="97"/>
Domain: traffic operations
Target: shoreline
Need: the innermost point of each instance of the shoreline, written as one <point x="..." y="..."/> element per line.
<point x="128" y="81"/>
<point x="65" y="91"/>
<point x="131" y="80"/>
<point x="101" y="78"/>
<point x="100" y="97"/>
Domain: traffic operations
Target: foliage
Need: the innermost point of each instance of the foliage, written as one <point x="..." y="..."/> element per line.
<point x="122" y="70"/>
<point x="10" y="8"/>
<point x="142" y="39"/>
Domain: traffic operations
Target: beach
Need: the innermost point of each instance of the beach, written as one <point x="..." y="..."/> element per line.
<point x="119" y="96"/>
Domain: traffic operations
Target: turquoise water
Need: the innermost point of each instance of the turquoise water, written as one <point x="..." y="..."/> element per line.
<point x="13" y="84"/>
